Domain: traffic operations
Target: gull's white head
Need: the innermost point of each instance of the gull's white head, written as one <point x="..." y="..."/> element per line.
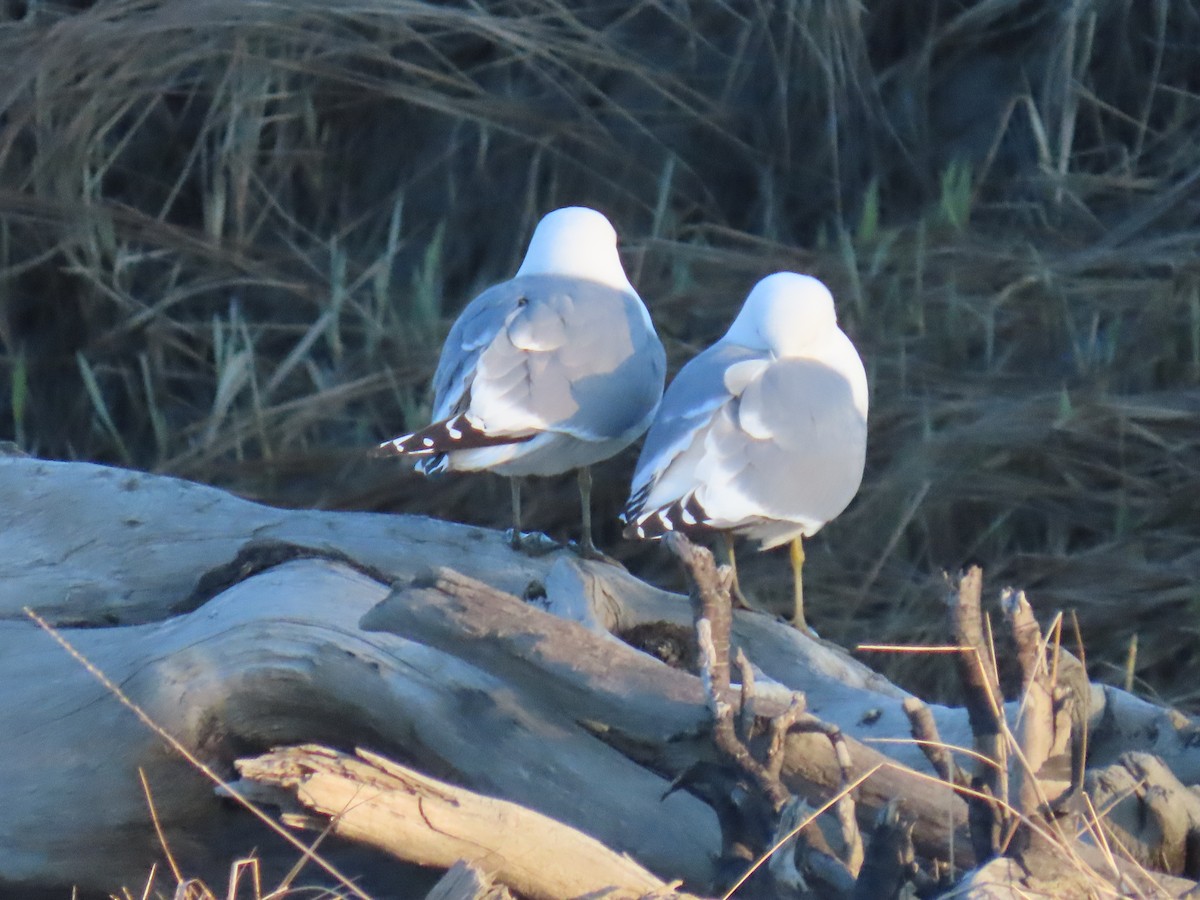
<point x="786" y="314"/>
<point x="576" y="242"/>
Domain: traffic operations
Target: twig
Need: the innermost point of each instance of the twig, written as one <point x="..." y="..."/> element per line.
<point x="717" y="707"/>
<point x="724" y="734"/>
<point x="780" y="726"/>
<point x="811" y="818"/>
<point x="746" y="713"/>
<point x="710" y="600"/>
<point x="782" y="863"/>
<point x="713" y="612"/>
<point x="712" y="608"/>
<point x="984" y="817"/>
<point x="845" y="807"/>
<point x="925" y="732"/>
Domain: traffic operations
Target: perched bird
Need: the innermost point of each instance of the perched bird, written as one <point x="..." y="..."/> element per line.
<point x="764" y="434"/>
<point x="556" y="369"/>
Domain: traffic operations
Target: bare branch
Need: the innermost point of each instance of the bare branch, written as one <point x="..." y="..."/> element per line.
<point x="981" y="689"/>
<point x="925" y="732"/>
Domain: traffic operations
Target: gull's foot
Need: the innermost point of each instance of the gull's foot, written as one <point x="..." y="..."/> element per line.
<point x="738" y="598"/>
<point x="588" y="551"/>
<point x="800" y="623"/>
<point x="531" y="543"/>
<point x="741" y="601"/>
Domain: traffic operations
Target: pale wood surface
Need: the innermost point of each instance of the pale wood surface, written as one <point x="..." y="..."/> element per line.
<point x="461" y="678"/>
<point x="279" y="659"/>
<point x="434" y="823"/>
<point x="464" y="882"/>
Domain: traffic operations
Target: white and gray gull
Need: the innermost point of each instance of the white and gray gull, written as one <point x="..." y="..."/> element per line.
<point x="763" y="434"/>
<point x="555" y="369"/>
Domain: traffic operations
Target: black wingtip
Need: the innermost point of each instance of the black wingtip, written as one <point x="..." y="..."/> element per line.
<point x="419" y="443"/>
<point x="448" y="435"/>
<point x="387" y="449"/>
<point x="685" y="515"/>
<point x="641" y="526"/>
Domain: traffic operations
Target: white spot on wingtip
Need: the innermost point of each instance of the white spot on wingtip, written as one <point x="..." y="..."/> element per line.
<point x="454" y="433"/>
<point x="428" y="442"/>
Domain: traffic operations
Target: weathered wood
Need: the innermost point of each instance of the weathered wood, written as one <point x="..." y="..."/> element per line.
<point x="95" y="545"/>
<point x="278" y="659"/>
<point x="652" y="712"/>
<point x="92" y="545"/>
<point x="1119" y="722"/>
<point x="711" y="600"/>
<point x="889" y="865"/>
<point x="464" y="882"/>
<point x="712" y="608"/>
<point x="457" y="676"/>
<point x="1021" y="828"/>
<point x="989" y="819"/>
<point x="975" y="662"/>
<point x="1049" y="729"/>
<point x="1036" y="733"/>
<point x="1149" y="813"/>
<point x="433" y="823"/>
<point x="925" y="733"/>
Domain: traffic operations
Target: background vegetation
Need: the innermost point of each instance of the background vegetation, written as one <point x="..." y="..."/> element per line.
<point x="232" y="236"/>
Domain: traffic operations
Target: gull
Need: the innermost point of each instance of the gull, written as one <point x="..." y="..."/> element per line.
<point x="555" y="369"/>
<point x="763" y="434"/>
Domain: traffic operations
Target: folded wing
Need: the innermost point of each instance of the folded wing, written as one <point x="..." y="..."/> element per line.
<point x="542" y="354"/>
<point x="786" y="445"/>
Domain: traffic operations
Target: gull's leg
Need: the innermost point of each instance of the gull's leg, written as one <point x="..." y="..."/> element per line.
<point x="514" y="483"/>
<point x="586" y="548"/>
<point x="729" y="559"/>
<point x="798" y="585"/>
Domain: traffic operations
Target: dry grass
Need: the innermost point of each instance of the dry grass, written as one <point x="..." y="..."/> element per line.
<point x="245" y="875"/>
<point x="232" y="235"/>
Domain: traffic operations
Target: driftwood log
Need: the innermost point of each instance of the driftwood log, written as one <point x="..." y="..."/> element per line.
<point x="238" y="628"/>
<point x="370" y="799"/>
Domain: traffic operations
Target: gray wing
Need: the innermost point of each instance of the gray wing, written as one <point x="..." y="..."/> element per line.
<point x="548" y="353"/>
<point x="474" y="329"/>
<point x="700" y="389"/>
<point x="791" y="449"/>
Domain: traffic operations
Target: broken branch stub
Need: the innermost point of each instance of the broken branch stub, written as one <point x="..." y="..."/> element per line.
<point x="836" y="862"/>
<point x="976" y="667"/>
<point x="1044" y="729"/>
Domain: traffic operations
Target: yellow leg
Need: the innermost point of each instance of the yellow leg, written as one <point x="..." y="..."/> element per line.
<point x="584" y="477"/>
<point x="514" y="484"/>
<point x="587" y="549"/>
<point x="798" y="584"/>
<point x="729" y="559"/>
